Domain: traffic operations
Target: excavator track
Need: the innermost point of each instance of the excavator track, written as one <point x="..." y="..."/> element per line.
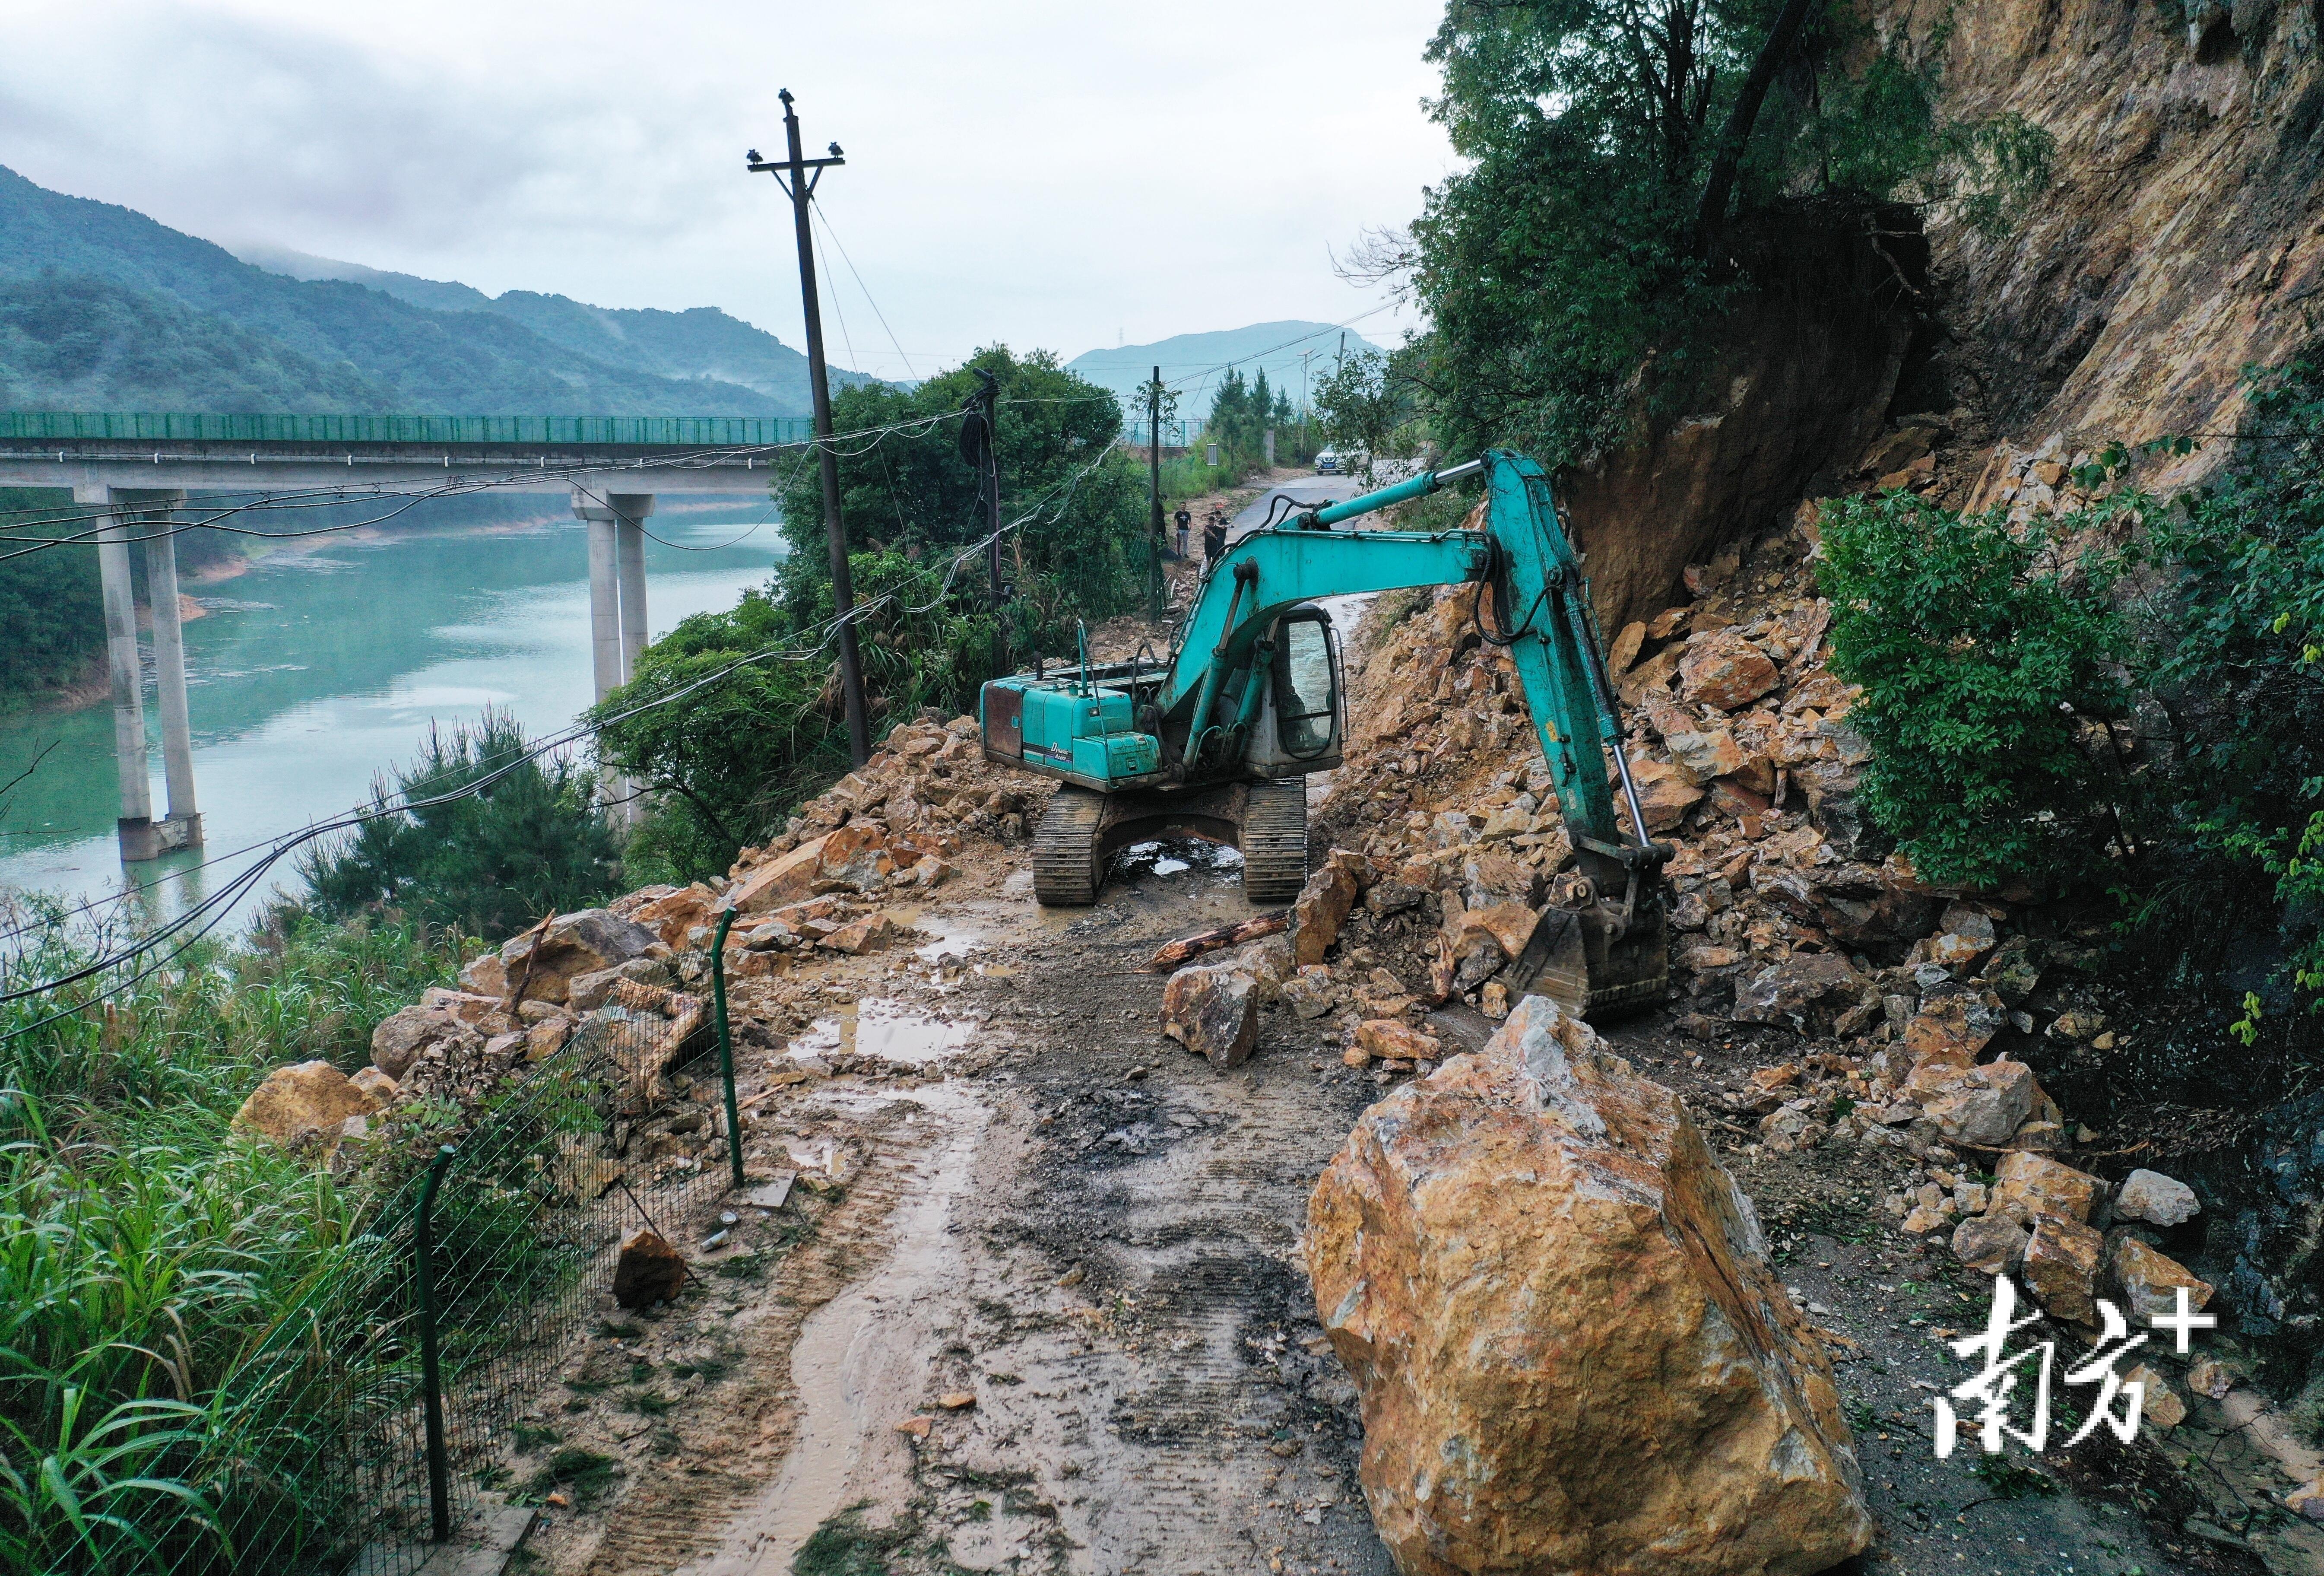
<point x="1274" y="842"/>
<point x="1066" y="871"/>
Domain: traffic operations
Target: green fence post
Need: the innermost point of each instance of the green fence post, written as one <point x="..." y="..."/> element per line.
<point x="726" y="1044"/>
<point x="431" y="1372"/>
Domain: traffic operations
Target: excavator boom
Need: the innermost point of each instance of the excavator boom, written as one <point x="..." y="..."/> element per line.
<point x="1215" y="740"/>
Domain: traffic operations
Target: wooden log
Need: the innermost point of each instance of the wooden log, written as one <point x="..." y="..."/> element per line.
<point x="1178" y="954"/>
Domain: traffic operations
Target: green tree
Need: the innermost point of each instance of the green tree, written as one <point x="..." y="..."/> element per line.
<point x="1370" y="408"/>
<point x="50" y="601"/>
<point x="1611" y="146"/>
<point x="735" y="756"/>
<point x="489" y="862"/>
<point x="2232" y="655"/>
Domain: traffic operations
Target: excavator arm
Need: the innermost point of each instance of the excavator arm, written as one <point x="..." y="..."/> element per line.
<point x="1602" y="942"/>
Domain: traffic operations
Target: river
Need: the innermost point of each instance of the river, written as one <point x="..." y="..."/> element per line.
<point x="310" y="673"/>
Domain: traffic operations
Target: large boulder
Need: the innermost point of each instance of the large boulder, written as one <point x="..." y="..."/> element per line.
<point x="1212" y="1010"/>
<point x="306" y="1104"/>
<point x="1724" y="669"/>
<point x="541" y="966"/>
<point x="1573" y="1352"/>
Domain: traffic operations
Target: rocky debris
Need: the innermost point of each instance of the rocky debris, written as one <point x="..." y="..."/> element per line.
<point x="2062" y="1266"/>
<point x="1311" y="992"/>
<point x="309" y="1105"/>
<point x="586" y="992"/>
<point x="485" y="975"/>
<point x="2027" y="1185"/>
<point x="383" y="1090"/>
<point x="1391" y="1040"/>
<point x="1991" y="1245"/>
<point x="1689" y="1422"/>
<point x="540" y="966"/>
<point x="1724" y="669"/>
<point x="2156" y="1199"/>
<point x="1323" y="904"/>
<point x="1212" y="1010"/>
<point x="647" y="1270"/>
<point x="2150" y="1280"/>
<point x="1178" y="954"/>
<point x="1984" y="1105"/>
<point x="400" y="1039"/>
<point x="2159" y="1404"/>
<point x="1791" y="992"/>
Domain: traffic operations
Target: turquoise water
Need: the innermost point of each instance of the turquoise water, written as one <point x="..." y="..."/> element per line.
<point x="309" y="674"/>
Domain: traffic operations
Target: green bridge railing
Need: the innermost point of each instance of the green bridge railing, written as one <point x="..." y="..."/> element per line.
<point x="608" y="432"/>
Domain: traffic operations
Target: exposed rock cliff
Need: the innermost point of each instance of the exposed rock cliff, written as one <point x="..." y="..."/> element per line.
<point x="2181" y="241"/>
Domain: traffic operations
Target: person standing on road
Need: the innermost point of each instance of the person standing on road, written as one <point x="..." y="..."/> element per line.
<point x="1214" y="537"/>
<point x="1185" y="523"/>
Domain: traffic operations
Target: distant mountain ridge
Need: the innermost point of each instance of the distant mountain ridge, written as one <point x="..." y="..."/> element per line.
<point x="100" y="305"/>
<point x="1185" y="358"/>
<point x="698" y="342"/>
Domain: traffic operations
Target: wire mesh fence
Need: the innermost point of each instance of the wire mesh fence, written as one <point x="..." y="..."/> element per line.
<point x="309" y="1450"/>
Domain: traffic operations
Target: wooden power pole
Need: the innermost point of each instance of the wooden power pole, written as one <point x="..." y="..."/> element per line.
<point x="1154" y="474"/>
<point x="799" y="188"/>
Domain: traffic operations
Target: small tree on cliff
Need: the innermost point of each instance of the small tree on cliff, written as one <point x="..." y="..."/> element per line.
<point x="1613" y="145"/>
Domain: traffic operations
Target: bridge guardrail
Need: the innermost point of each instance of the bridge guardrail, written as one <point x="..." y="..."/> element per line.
<point x="601" y="432"/>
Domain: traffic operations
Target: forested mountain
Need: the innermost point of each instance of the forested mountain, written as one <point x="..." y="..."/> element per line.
<point x="86" y="290"/>
<point x="699" y="342"/>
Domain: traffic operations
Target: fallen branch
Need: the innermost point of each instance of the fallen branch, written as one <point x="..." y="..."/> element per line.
<point x="1180" y="952"/>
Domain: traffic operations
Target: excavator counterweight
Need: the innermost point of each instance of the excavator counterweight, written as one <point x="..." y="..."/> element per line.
<point x="1217" y="741"/>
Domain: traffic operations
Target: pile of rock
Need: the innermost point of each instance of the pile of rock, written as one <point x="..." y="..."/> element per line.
<point x="611" y="978"/>
<point x="1742" y="756"/>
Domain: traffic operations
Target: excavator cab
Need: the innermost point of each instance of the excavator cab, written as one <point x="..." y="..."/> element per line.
<point x="1217" y="741"/>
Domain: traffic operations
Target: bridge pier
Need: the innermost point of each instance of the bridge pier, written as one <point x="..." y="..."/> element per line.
<point x="144" y="512"/>
<point x="617" y="605"/>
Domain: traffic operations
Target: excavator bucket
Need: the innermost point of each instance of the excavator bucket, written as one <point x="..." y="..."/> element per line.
<point x="1593" y="963"/>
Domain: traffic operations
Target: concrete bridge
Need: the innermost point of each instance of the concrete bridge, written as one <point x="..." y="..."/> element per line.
<point x="131" y="472"/>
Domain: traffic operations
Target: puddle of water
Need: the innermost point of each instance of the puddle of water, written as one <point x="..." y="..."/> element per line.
<point x="1168" y="857"/>
<point x="885" y="1029"/>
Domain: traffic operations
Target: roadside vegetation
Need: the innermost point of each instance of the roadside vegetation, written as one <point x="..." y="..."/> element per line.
<point x="50" y="603"/>
<point x="729" y="765"/>
<point x="155" y="1413"/>
<point x="532" y="839"/>
<point x="2125" y="705"/>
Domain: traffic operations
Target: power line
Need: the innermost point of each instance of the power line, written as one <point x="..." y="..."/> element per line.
<point x="217" y="906"/>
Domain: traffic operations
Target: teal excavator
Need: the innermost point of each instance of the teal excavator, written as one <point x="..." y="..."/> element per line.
<point x="1217" y="741"/>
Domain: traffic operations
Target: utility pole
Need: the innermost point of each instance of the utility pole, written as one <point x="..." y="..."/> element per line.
<point x="1154" y="474"/>
<point x="1305" y="356"/>
<point x="980" y="431"/>
<point x="799" y="189"/>
<point x="992" y="484"/>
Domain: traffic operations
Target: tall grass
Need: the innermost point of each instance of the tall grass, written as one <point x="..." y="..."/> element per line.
<point x="168" y="1399"/>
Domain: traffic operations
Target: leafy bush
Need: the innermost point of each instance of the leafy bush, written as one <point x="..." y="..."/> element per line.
<point x="1986" y="658"/>
<point x="2232" y="653"/>
<point x="489" y="862"/>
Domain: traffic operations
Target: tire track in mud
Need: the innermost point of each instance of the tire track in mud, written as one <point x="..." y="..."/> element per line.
<point x="736" y="1433"/>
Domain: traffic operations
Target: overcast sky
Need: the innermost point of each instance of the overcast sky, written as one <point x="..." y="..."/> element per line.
<point x="1041" y="172"/>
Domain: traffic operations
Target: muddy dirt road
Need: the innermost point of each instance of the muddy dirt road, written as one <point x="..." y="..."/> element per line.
<point x="1046" y="1311"/>
<point x="1037" y="1302"/>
